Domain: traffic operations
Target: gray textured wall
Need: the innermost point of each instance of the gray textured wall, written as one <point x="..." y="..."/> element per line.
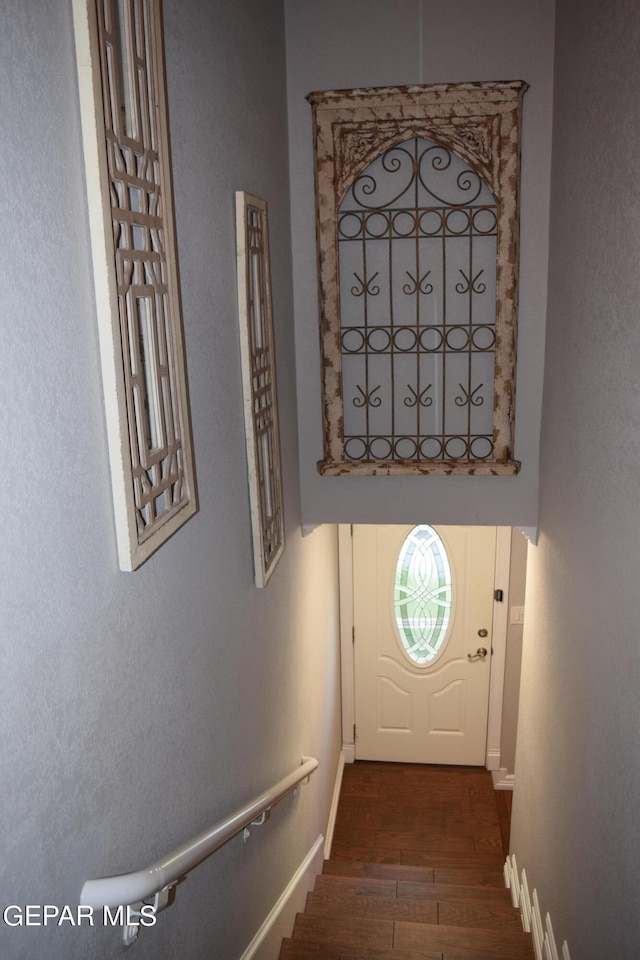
<point x="136" y="709"/>
<point x="575" y="827"/>
<point x="351" y="43"/>
<point x="513" y="658"/>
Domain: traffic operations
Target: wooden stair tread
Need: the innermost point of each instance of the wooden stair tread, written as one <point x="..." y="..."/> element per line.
<point x="408" y="889"/>
<point x="468" y="876"/>
<point x="452" y="942"/>
<point x="463" y="941"/>
<point x="459" y="875"/>
<point x="482" y="861"/>
<point x="450" y="891"/>
<point x="310" y="950"/>
<point x="344" y="931"/>
<point x="488" y="858"/>
<point x="428" y="841"/>
<point x="484" y="914"/>
<point x="382" y="908"/>
<point x="358" y="886"/>
<point x="382" y="871"/>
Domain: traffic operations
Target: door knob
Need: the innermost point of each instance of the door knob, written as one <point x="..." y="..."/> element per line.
<point x="480" y="654"/>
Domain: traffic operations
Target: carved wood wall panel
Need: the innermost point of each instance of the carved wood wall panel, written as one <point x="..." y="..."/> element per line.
<point x="257" y="346"/>
<point x="120" y="61"/>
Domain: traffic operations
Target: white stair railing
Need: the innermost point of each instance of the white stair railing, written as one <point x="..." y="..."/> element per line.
<point x="157" y="881"/>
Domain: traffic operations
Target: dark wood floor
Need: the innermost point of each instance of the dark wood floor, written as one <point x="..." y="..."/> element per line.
<point x="407" y="813"/>
<point x="416" y="871"/>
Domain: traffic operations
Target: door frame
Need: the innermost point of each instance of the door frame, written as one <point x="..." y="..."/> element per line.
<point x="498" y="644"/>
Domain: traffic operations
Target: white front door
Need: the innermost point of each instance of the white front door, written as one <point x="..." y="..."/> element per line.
<point x="421" y="678"/>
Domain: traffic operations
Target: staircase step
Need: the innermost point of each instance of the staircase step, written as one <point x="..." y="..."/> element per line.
<point x="446" y="819"/>
<point x="482" y="861"/>
<point x="472" y="913"/>
<point x="345" y="931"/>
<point x="426" y="841"/>
<point x="361" y="937"/>
<point x="308" y="950"/>
<point x="381" y="871"/>
<point x="381" y="908"/>
<point x="337" y="886"/>
<point x="469" y="876"/>
<point x="487" y="856"/>
<point x="478" y="914"/>
<point x="474" y="875"/>
<point x="345" y="850"/>
<point x="470" y="943"/>
<point x="358" y="886"/>
<point x="448" y="891"/>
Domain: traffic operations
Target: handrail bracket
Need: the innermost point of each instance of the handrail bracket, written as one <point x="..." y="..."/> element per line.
<point x="162" y="899"/>
<point x="258" y="822"/>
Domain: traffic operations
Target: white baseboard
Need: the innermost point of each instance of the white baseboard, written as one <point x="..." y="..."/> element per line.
<point x="502" y="780"/>
<point x="349" y="752"/>
<point x="279" y="923"/>
<point x="333" y="812"/>
<point x="544" y="943"/>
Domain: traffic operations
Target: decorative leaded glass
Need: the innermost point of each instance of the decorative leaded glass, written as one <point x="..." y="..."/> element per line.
<point x="422" y="594"/>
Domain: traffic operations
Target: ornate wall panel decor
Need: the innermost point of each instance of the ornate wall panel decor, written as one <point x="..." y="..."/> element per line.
<point x="124" y="116"/>
<point x="417" y="210"/>
<point x="257" y="347"/>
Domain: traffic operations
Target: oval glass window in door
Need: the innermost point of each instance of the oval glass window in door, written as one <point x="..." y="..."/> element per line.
<point x="422" y="594"/>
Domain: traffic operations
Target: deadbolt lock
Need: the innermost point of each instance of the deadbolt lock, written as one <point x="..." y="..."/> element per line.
<point x="483" y="633"/>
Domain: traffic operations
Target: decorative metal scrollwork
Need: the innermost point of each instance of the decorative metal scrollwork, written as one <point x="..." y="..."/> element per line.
<point x="367" y="398"/>
<point x="417" y="229"/>
<point x="471" y="284"/>
<point x="417" y="284"/>
<point x="417" y="223"/>
<point x="365" y="286"/>
<point x="418" y="163"/>
<point x="469" y="397"/>
<point x="421" y="398"/>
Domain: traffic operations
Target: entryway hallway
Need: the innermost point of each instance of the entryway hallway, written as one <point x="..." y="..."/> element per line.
<point x="415" y="871"/>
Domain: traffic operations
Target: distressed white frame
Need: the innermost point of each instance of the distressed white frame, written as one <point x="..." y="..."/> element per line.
<point x="259" y="386"/>
<point x="479" y="122"/>
<point x="150" y="453"/>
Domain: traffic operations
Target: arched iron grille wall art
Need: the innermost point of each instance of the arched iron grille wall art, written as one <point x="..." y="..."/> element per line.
<point x="417" y="253"/>
<point x="417" y="229"/>
<point x="125" y="129"/>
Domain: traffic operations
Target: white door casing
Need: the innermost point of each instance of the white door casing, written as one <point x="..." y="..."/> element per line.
<point x="434" y="712"/>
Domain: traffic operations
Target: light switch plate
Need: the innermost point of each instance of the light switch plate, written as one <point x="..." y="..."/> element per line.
<point x="517" y="615"/>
